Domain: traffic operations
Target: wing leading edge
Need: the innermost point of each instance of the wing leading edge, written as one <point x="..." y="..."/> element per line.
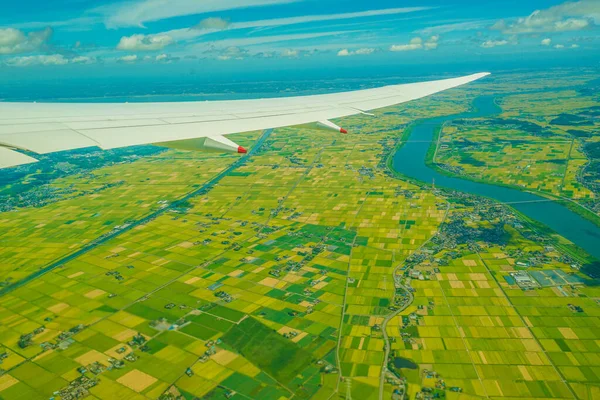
<point x="50" y="127"/>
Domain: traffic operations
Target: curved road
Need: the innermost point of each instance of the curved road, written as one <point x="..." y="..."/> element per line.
<point x="411" y="298"/>
<point x="386" y="339"/>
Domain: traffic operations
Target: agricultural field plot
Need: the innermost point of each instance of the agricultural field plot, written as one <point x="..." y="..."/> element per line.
<point x="274" y="243"/>
<point x="472" y="331"/>
<point x="541" y="165"/>
<point x="32" y="237"/>
<point x="529" y="81"/>
<point x="543" y="139"/>
<point x="276" y="282"/>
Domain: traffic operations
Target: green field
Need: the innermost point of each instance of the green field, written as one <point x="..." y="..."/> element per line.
<point x="275" y="283"/>
<point x="267" y="349"/>
<point x="544" y="140"/>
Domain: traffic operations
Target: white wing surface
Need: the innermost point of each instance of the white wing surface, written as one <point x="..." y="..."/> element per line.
<point x="50" y="127"/>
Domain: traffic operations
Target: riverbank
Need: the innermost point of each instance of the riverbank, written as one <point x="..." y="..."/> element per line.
<point x="408" y="161"/>
<point x="569" y="203"/>
<point x="566" y="247"/>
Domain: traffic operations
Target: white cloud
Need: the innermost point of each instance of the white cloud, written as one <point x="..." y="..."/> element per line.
<point x="456" y="27"/>
<point x="128" y="59"/>
<point x="239" y="53"/>
<point x="265" y="54"/>
<point x="414" y="44"/>
<point x="26" y="61"/>
<point x="47" y="60"/>
<point x="418" y="44"/>
<point x="164" y="58"/>
<point x="546" y="42"/>
<point x="325" y="17"/>
<point x="141" y="42"/>
<point x="432" y="43"/>
<point x="228" y="53"/>
<point x="259" y="46"/>
<point x="11" y="37"/>
<point x="213" y="23"/>
<point x="569" y="16"/>
<point x="136" y="17"/>
<point x="562" y="46"/>
<point x="488" y="44"/>
<point x="261" y="40"/>
<point x="82" y="60"/>
<point x="15" y="41"/>
<point x="74" y="24"/>
<point x="365" y="51"/>
<point x="138" y="12"/>
<point x="290" y="53"/>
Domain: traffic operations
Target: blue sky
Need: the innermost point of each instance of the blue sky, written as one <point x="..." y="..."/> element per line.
<point x="154" y="37"/>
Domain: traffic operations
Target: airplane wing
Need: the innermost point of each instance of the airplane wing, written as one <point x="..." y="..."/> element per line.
<point x="50" y="127"/>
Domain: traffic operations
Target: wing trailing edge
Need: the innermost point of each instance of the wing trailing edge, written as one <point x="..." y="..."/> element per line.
<point x="50" y="127"/>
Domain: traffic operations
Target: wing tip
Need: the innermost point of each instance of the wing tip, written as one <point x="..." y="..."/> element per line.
<point x="481" y="75"/>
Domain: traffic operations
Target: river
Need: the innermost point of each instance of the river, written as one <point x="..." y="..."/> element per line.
<point x="410" y="158"/>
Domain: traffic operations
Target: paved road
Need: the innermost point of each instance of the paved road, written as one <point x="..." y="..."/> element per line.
<point x="126" y="228"/>
<point x="386" y="339"/>
<point x="398" y="284"/>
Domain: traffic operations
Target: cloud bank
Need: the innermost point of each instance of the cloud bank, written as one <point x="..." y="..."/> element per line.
<point x="136" y="13"/>
<point x="358" y="52"/>
<point x="141" y="42"/>
<point x="488" y="44"/>
<point x="570" y="16"/>
<point x="47" y="60"/>
<point x="15" y="41"/>
<point x="417" y="44"/>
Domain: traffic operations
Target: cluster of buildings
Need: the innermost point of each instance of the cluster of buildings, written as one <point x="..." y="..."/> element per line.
<point x="524" y="280"/>
<point x="80" y="386"/>
<point x="224" y="296"/>
<point x="211" y="349"/>
<point x="326" y="367"/>
<point x="434" y="387"/>
<point x="116" y="274"/>
<point x="401" y="298"/>
<point x="77" y="388"/>
<point x="26" y="339"/>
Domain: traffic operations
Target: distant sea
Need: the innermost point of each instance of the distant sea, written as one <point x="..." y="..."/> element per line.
<point x="142" y="91"/>
<point x="107" y="85"/>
